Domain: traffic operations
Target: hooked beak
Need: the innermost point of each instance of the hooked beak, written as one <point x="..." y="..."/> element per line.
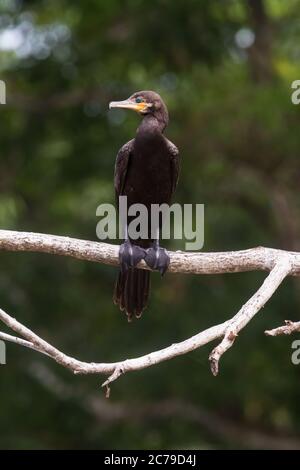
<point x="128" y="104"/>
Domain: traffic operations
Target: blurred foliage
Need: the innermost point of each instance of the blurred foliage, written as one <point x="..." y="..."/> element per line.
<point x="225" y="70"/>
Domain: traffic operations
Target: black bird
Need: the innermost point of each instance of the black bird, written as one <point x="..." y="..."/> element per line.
<point x="146" y="171"/>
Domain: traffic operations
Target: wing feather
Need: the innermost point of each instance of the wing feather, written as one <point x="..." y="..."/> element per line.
<point x="175" y="163"/>
<point x="121" y="167"/>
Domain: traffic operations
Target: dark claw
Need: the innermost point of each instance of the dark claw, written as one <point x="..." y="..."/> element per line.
<point x="130" y="255"/>
<point x="157" y="258"/>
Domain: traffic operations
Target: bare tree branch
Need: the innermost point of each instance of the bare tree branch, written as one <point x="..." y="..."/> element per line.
<point x="287" y="329"/>
<point x="280" y="264"/>
<point x="251" y="308"/>
<point x="19" y="341"/>
<point x="254" y="259"/>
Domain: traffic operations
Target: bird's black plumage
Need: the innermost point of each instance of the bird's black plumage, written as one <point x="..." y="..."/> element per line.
<point x="146" y="171"/>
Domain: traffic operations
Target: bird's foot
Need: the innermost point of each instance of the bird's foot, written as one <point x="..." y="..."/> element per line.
<point x="157" y="258"/>
<point x="130" y="255"/>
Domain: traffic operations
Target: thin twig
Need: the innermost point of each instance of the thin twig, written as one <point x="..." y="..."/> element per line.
<point x="287" y="329"/>
<point x="20" y="342"/>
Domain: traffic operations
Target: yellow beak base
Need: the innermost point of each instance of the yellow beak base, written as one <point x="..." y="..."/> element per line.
<point x="128" y="104"/>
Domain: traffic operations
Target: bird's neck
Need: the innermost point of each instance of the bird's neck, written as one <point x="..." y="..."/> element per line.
<point x="150" y="125"/>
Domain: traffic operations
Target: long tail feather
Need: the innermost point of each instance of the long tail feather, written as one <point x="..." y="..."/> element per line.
<point x="132" y="291"/>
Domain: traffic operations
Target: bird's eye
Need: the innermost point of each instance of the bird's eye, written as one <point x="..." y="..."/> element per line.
<point x="139" y="99"/>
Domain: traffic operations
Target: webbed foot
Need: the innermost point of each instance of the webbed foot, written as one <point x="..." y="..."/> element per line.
<point x="157" y="258"/>
<point x="130" y="255"/>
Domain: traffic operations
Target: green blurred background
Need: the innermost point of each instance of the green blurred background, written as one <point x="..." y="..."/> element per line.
<point x="225" y="71"/>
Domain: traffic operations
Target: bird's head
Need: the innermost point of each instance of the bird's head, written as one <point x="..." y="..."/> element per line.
<point x="145" y="103"/>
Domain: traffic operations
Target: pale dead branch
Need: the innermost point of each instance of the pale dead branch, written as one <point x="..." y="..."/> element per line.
<point x="279" y="263"/>
<point x="287" y="329"/>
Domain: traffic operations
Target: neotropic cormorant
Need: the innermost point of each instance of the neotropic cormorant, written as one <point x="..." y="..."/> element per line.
<point x="146" y="171"/>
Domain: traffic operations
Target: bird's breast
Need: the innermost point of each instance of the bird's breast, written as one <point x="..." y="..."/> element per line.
<point x="149" y="176"/>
